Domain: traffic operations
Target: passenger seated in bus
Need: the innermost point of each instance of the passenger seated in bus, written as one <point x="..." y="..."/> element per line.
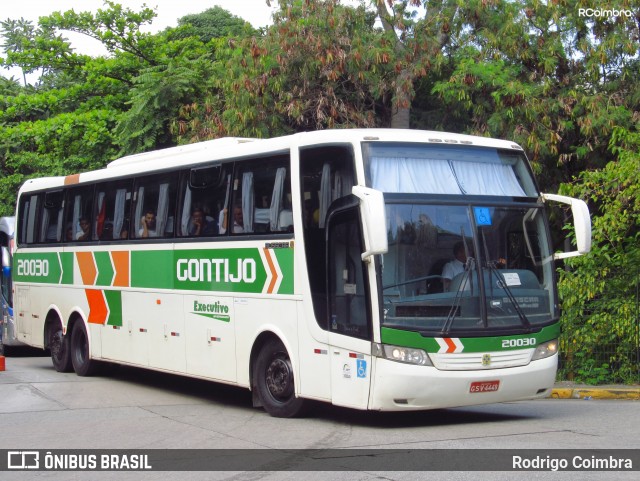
<point x="200" y="225"/>
<point x="148" y="225"/>
<point x="238" y="221"/>
<point x="84" y="234"/>
<point x="107" y="231"/>
<point x="454" y="267"/>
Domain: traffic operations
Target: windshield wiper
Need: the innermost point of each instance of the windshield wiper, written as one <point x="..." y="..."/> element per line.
<point x="469" y="267"/>
<point x="502" y="283"/>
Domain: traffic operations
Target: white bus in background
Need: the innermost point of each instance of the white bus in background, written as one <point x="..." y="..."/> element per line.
<point x="8" y="337"/>
<point x="317" y="266"/>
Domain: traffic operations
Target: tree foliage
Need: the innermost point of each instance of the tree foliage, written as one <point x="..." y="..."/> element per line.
<point x="600" y="291"/>
<point x="541" y="74"/>
<point x="211" y="24"/>
<point x="320" y="65"/>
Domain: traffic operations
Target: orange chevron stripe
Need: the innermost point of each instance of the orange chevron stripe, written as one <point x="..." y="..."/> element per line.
<point x="451" y="344"/>
<point x="87" y="267"/>
<point x="121" y="264"/>
<point x="272" y="268"/>
<point x="97" y="307"/>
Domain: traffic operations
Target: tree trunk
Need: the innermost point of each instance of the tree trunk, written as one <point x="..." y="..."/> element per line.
<point x="400" y="118"/>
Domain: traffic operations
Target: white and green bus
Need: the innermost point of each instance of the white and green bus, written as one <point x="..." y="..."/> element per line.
<point x="374" y="269"/>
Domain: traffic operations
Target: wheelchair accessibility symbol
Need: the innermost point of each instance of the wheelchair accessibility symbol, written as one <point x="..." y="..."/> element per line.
<point x="362" y="368"/>
<point x="483" y="215"/>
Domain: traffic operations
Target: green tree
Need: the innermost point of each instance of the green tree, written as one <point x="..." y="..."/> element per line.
<point x="66" y="122"/>
<point x="211" y="24"/>
<point x="319" y="65"/>
<point x="599" y="291"/>
<point x="541" y="74"/>
<point x="166" y="97"/>
<point x="18" y="35"/>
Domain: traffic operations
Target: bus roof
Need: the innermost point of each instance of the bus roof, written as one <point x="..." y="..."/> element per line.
<point x="235" y="147"/>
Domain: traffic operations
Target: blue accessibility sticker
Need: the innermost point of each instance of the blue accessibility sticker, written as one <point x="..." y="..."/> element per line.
<point x="483" y="215"/>
<point x="362" y="368"/>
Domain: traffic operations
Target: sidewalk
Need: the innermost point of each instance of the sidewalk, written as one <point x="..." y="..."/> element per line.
<point x="569" y="390"/>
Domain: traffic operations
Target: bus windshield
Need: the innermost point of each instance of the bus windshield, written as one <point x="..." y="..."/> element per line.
<point x="467" y="268"/>
<point x="468" y="243"/>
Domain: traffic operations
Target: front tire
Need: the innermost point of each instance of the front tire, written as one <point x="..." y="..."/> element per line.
<point x="60" y="350"/>
<point x="80" y="356"/>
<point x="274" y="382"/>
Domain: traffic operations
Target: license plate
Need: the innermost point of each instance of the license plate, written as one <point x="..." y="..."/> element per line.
<point x="484" y="386"/>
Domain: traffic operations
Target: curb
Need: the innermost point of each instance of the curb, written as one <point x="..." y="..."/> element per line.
<point x="588" y="393"/>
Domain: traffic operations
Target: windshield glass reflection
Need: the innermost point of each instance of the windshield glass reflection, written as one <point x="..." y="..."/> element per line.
<point x="460" y="267"/>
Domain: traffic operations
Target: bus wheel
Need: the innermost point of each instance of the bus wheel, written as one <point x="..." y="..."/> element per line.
<point x="60" y="352"/>
<point x="80" y="358"/>
<point x="273" y="380"/>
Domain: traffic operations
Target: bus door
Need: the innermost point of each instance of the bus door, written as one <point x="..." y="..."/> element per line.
<point x="23" y="313"/>
<point x="348" y="310"/>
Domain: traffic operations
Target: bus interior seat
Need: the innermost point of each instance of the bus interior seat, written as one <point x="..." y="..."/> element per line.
<point x="435" y="286"/>
<point x="285" y="220"/>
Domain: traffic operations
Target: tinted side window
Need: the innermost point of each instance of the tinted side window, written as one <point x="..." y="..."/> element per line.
<point x="349" y="311"/>
<point x="204" y="192"/>
<point x="78" y="214"/>
<point x="113" y="206"/>
<point x="28" y="218"/>
<point x="51" y="225"/>
<point x="326" y="174"/>
<point x="154" y="206"/>
<point x="261" y="198"/>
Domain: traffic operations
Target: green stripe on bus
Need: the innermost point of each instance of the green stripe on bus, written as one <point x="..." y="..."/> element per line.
<point x="240" y="270"/>
<point x="114" y="303"/>
<point x="285" y="260"/>
<point x="231" y="270"/>
<point x="42" y="268"/>
<point x="414" y="339"/>
<point x="66" y="261"/>
<point x="105" y="268"/>
<point x="152" y="269"/>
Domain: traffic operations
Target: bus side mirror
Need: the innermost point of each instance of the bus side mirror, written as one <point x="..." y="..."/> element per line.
<point x="374" y="221"/>
<point x="581" y="223"/>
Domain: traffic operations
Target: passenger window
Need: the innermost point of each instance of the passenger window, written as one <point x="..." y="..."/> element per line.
<point x="79" y="214"/>
<point x="28" y="218"/>
<point x="51" y="225"/>
<point x="261" y="198"/>
<point x="154" y="207"/>
<point x="113" y="205"/>
<point x="204" y="192"/>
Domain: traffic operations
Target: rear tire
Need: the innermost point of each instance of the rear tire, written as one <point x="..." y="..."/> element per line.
<point x="60" y="350"/>
<point x="80" y="355"/>
<point x="274" y="383"/>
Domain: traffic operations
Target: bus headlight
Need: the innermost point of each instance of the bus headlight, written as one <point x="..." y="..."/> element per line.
<point x="546" y="349"/>
<point x="407" y="355"/>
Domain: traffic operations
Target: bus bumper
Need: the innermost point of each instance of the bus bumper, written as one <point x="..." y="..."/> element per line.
<point x="403" y="387"/>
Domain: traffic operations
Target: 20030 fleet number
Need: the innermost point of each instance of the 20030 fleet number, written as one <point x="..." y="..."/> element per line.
<point x="33" y="267"/>
<point x="527" y="341"/>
